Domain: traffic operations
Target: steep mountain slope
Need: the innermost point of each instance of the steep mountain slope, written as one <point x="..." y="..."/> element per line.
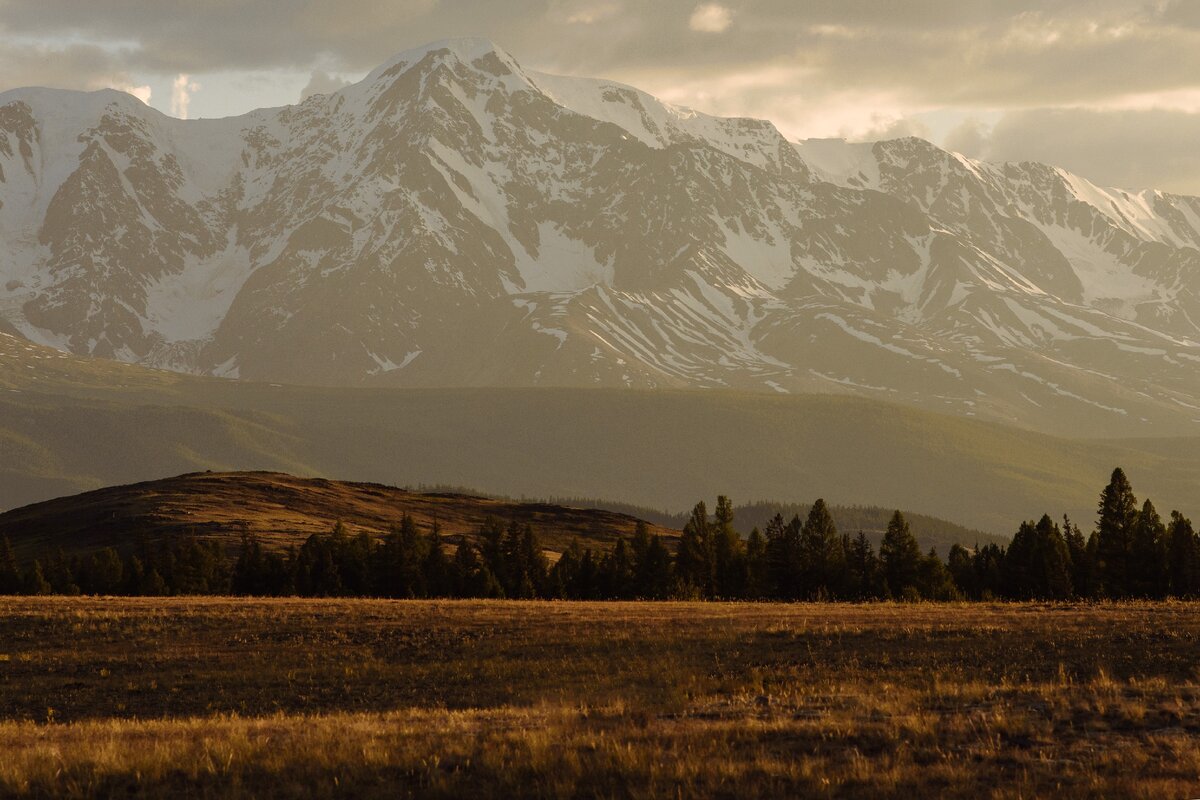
<point x="455" y="220"/>
<point x="66" y="424"/>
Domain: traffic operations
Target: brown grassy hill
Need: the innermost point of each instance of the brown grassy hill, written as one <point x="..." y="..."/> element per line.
<point x="282" y="510"/>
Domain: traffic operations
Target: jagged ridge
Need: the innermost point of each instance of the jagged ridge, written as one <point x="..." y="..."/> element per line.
<point x="456" y="220"/>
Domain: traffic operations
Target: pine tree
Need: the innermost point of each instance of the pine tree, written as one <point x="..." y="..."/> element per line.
<point x="1148" y="559"/>
<point x="989" y="562"/>
<point x="1015" y="570"/>
<point x="436" y="568"/>
<point x="133" y="575"/>
<point x="758" y="574"/>
<point x="11" y="580"/>
<point x="35" y="581"/>
<point x="785" y="558"/>
<point x="1183" y="550"/>
<point x="153" y="585"/>
<point x="778" y="559"/>
<point x="729" y="562"/>
<point x="1083" y="566"/>
<point x="102" y="573"/>
<point x="693" y="560"/>
<point x="1114" y="535"/>
<point x="820" y="558"/>
<point x="60" y="573"/>
<point x="653" y="569"/>
<point x="934" y="581"/>
<point x="865" y="581"/>
<point x="617" y="573"/>
<point x="961" y="564"/>
<point x="900" y="556"/>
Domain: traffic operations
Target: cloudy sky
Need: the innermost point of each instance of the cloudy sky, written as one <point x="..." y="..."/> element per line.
<point x="1107" y="88"/>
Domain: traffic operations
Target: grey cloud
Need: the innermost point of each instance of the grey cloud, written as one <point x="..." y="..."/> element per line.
<point x="970" y="137"/>
<point x="1129" y="149"/>
<point x="83" y="67"/>
<point x="895" y="129"/>
<point x="957" y="49"/>
<point x="322" y="82"/>
<point x="918" y="54"/>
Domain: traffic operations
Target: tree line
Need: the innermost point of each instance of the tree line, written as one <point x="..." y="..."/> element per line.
<point x="1131" y="553"/>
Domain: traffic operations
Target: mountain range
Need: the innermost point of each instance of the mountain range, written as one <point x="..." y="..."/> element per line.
<point x="454" y="220"/>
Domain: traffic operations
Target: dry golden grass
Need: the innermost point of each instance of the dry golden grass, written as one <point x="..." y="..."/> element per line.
<point x="218" y="697"/>
<point x="283" y="510"/>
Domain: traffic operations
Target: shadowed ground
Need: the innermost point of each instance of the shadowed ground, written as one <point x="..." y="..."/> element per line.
<point x="303" y="698"/>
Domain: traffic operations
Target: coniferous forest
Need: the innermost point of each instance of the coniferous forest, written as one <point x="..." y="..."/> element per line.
<point x="1131" y="553"/>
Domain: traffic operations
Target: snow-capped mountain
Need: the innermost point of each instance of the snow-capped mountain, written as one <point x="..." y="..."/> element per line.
<point x="456" y="220"/>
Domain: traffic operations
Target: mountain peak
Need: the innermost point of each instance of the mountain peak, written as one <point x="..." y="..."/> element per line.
<point x="468" y="50"/>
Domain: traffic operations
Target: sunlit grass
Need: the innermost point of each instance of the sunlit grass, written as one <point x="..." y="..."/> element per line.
<point x="293" y="698"/>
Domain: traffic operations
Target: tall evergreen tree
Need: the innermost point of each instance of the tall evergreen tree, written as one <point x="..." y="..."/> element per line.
<point x="102" y="572"/>
<point x="1148" y="559"/>
<point x="1114" y="535"/>
<point x="961" y="564"/>
<point x="864" y="579"/>
<point x="11" y="580"/>
<point x="1183" y="573"/>
<point x="900" y="556"/>
<point x="60" y="573"/>
<point x="436" y="568"/>
<point x="758" y="571"/>
<point x="693" y="561"/>
<point x="35" y="581"/>
<point x="934" y="581"/>
<point x="728" y="555"/>
<point x="820" y="554"/>
<point x="653" y="569"/>
<point x="1082" y="557"/>
<point x="617" y="573"/>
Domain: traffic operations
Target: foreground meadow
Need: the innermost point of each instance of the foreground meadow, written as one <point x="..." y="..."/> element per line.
<point x="303" y="698"/>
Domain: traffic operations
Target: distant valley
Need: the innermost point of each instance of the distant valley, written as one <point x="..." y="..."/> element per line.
<point x="69" y="423"/>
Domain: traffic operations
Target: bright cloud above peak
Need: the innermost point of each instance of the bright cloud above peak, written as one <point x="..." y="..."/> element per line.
<point x="711" y="18"/>
<point x="181" y="95"/>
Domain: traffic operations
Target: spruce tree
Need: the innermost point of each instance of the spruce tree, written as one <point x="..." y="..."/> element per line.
<point x="1148" y="558"/>
<point x="436" y="567"/>
<point x="1118" y="514"/>
<point x="617" y="573"/>
<point x="729" y="563"/>
<point x="654" y="571"/>
<point x="900" y="556"/>
<point x="1052" y="565"/>
<point x="820" y="558"/>
<point x="60" y="573"/>
<point x="693" y="560"/>
<point x="102" y="573"/>
<point x="865" y="581"/>
<point x="934" y="581"/>
<point x="1183" y="574"/>
<point x="1017" y="567"/>
<point x="758" y="574"/>
<point x="961" y="564"/>
<point x="778" y="559"/>
<point x="11" y="580"/>
<point x="1083" y="567"/>
<point x="35" y="581"/>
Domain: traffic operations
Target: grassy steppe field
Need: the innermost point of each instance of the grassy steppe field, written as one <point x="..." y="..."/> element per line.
<point x="299" y="698"/>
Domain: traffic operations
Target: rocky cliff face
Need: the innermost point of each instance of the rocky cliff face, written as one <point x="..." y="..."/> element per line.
<point x="455" y="220"/>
